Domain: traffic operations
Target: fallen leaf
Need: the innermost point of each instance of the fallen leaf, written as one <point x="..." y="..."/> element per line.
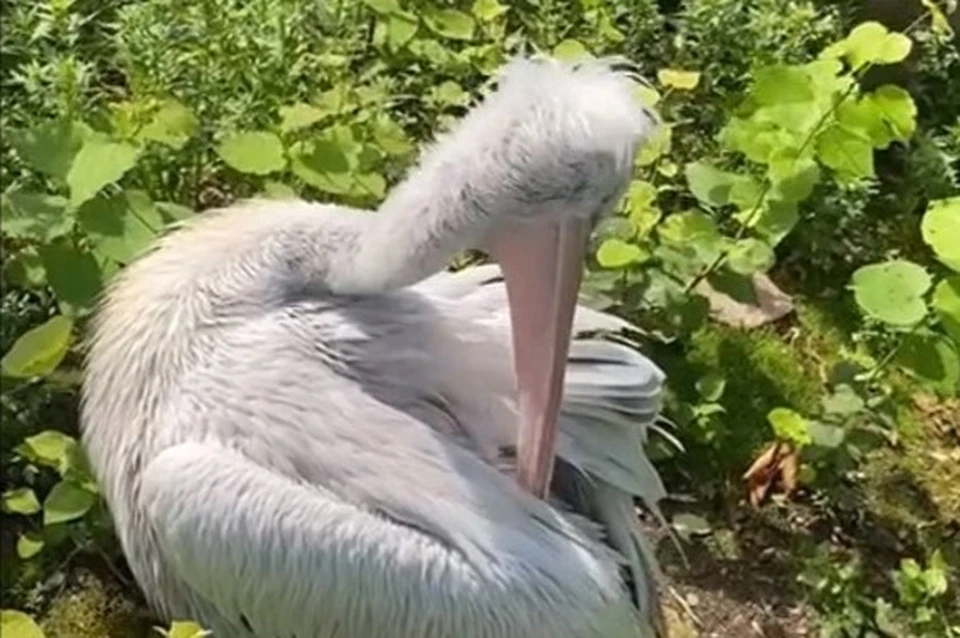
<point x="771" y="304"/>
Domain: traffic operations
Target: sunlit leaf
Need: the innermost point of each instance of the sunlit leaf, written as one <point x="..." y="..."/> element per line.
<point x="487" y="10"/>
<point x="278" y="190"/>
<point x="186" y="629"/>
<point x="679" y="80"/>
<point x="384" y="7"/>
<point x="449" y="93"/>
<point x="641" y="206"/>
<point x="793" y="177"/>
<point x="939" y="19"/>
<point x="300" y="116"/>
<point x="21" y="500"/>
<point x="871" y="43"/>
<point x="847" y="151"/>
<point x="693" y="231"/>
<point x="570" y="50"/>
<point x="371" y="184"/>
<point x="51" y="448"/>
<point x="401" y="28"/>
<point x="789" y="426"/>
<point x="616" y="253"/>
<point x="782" y="84"/>
<point x="390" y="137"/>
<point x="898" y="109"/>
<point x="941" y="230"/>
<point x="892" y="291"/>
<point x="709" y="184"/>
<point x="173" y="125"/>
<point x="66" y="502"/>
<point x="40" y="350"/>
<point x="749" y="256"/>
<point x="254" y="152"/>
<point x="98" y="164"/>
<point x="29" y="544"/>
<point x="844" y="401"/>
<point x="946" y="303"/>
<point x="16" y="624"/>
<point x="775" y="220"/>
<point x="689" y="525"/>
<point x="450" y="23"/>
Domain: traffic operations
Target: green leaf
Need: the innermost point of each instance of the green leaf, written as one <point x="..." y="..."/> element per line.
<point x="693" y="231"/>
<point x="793" y="177"/>
<point x="21" y="500"/>
<point x="825" y="435"/>
<point x="172" y="125"/>
<point x="390" y="137"/>
<point x="941" y="230"/>
<point x="688" y="525"/>
<point x="98" y="164"/>
<point x="679" y="80"/>
<point x="51" y="146"/>
<point x="16" y="624"/>
<point x="749" y="256"/>
<point x="450" y="23"/>
<point x="51" y="448"/>
<point x="300" y="116"/>
<point x="323" y="164"/>
<point x="401" y="28"/>
<point x="278" y="190"/>
<point x="775" y="220"/>
<point x="40" y="350"/>
<point x="171" y="212"/>
<point x="782" y="84"/>
<point x="186" y="629"/>
<point x="66" y="502"/>
<point x="898" y="110"/>
<point x="383" y="7"/>
<point x="37" y="216"/>
<point x="570" y="50"/>
<point x="789" y="426"/>
<point x="641" y="207"/>
<point x="616" y="253"/>
<point x="487" y="10"/>
<point x="121" y="226"/>
<point x="847" y="151"/>
<point x="75" y="276"/>
<point x="932" y="358"/>
<point x="892" y="292"/>
<point x="253" y="152"/>
<point x="29" y="544"/>
<point x="872" y="43"/>
<point x="711" y="386"/>
<point x="939" y="19"/>
<point x="371" y="185"/>
<point x="844" y="401"/>
<point x="450" y="93"/>
<point x="709" y="184"/>
<point x="946" y="303"/>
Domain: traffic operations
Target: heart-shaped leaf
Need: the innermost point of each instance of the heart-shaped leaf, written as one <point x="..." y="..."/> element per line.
<point x="892" y="291"/>
<point x="253" y="152"/>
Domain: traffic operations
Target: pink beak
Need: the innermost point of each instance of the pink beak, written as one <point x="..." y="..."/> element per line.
<point x="542" y="266"/>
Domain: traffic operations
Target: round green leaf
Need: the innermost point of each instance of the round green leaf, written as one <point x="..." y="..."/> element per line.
<point x="21" y="500"/>
<point x="450" y="23"/>
<point x="825" y="435"/>
<point x="711" y="386"/>
<point x="29" y="545"/>
<point x="570" y="50"/>
<point x="40" y="350"/>
<point x="99" y="163"/>
<point x="256" y="153"/>
<point x="749" y="256"/>
<point x="677" y="79"/>
<point x="487" y="10"/>
<point x="946" y="303"/>
<point x="892" y="291"/>
<point x="709" y="184"/>
<point x="789" y="426"/>
<point x="16" y="624"/>
<point x="66" y="502"/>
<point x="941" y="230"/>
<point x="898" y="110"/>
<point x="75" y="276"/>
<point x="300" y="116"/>
<point x="172" y="125"/>
<point x="616" y="253"/>
<point x="847" y="151"/>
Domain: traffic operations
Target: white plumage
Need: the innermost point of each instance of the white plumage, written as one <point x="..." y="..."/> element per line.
<point x="302" y="428"/>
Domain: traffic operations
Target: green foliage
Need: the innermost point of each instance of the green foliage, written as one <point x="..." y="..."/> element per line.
<point x="787" y="150"/>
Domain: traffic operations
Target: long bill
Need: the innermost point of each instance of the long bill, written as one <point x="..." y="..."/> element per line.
<point x="542" y="265"/>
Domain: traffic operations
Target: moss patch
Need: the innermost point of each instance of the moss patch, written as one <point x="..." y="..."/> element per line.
<point x="94" y="607"/>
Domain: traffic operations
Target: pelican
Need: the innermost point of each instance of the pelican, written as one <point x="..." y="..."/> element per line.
<point x="305" y="426"/>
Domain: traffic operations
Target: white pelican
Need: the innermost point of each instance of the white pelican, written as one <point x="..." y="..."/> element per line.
<point x="303" y="427"/>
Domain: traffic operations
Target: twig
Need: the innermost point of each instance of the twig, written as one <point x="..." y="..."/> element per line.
<point x="685" y="606"/>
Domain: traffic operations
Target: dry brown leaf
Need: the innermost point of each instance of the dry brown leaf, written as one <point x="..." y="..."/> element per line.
<point x="771" y="304"/>
<point x="780" y="464"/>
